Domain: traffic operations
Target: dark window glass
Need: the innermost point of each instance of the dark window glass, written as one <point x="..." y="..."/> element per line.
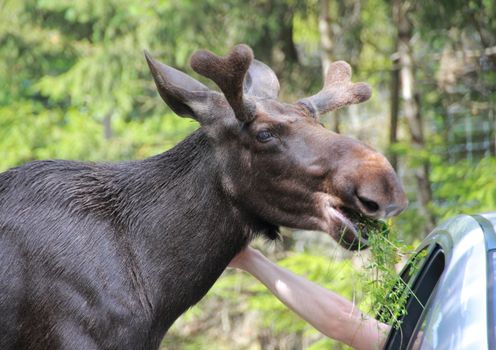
<point x="419" y="283"/>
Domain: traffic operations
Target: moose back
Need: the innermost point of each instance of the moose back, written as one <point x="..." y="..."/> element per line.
<point x="107" y="256"/>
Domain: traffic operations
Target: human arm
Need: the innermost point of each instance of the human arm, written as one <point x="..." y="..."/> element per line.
<point x="333" y="315"/>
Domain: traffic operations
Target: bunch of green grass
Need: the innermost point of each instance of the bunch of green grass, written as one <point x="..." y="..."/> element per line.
<point x="386" y="292"/>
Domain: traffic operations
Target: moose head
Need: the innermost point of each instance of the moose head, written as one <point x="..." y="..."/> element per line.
<point x="275" y="160"/>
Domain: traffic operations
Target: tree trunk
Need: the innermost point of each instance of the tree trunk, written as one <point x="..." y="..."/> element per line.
<point x="394" y="109"/>
<point x="325" y="35"/>
<point x="326" y="47"/>
<point x="486" y="39"/>
<point x="276" y="46"/>
<point x="411" y="103"/>
<point x="288" y="46"/>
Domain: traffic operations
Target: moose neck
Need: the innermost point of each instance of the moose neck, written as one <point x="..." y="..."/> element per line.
<point x="190" y="232"/>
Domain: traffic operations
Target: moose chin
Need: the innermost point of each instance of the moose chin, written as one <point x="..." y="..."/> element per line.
<point x="107" y="256"/>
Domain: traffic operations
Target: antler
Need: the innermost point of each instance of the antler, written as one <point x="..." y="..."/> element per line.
<point x="228" y="72"/>
<point x="338" y="91"/>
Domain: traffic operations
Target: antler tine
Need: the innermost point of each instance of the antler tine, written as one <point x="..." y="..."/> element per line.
<point x="228" y="72"/>
<point x="338" y="91"/>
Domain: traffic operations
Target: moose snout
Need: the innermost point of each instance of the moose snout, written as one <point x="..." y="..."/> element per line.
<point x="382" y="196"/>
<point x="382" y="205"/>
<point x="366" y="180"/>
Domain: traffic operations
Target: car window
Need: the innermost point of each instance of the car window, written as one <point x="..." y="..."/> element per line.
<point x="420" y="279"/>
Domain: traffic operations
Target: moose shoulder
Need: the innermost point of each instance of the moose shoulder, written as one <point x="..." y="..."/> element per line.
<point x="107" y="256"/>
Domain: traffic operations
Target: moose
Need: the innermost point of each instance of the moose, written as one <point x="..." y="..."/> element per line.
<point x="107" y="256"/>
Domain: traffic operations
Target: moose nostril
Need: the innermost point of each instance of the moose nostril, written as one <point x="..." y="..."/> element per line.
<point x="370" y="205"/>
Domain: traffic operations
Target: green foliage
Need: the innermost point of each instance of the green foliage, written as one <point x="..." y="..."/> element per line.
<point x="464" y="187"/>
<point x="29" y="132"/>
<point x="70" y="64"/>
<point x="443" y="15"/>
<point x="386" y="292"/>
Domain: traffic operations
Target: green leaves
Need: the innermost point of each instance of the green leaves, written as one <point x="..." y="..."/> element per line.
<point x="464" y="187"/>
<point x="382" y="279"/>
<point x="29" y="132"/>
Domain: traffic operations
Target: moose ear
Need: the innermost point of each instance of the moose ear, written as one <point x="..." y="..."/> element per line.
<point x="183" y="94"/>
<point x="261" y="81"/>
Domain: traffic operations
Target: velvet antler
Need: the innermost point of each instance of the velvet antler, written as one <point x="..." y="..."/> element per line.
<point x="228" y="72"/>
<point x="338" y="91"/>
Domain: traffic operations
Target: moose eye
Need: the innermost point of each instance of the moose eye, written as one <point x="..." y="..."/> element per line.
<point x="264" y="136"/>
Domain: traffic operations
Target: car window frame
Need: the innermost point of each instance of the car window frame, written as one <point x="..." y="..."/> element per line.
<point x="414" y="284"/>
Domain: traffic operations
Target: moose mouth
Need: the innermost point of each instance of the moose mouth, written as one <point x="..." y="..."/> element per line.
<point x="353" y="227"/>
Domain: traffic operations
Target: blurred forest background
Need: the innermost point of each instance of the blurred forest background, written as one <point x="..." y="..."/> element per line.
<point x="74" y="84"/>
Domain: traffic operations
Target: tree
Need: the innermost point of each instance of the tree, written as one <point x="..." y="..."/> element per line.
<point x="402" y="12"/>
